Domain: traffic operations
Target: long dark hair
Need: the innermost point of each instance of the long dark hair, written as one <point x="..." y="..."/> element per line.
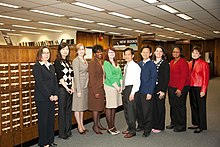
<point x="164" y="54"/>
<point x="59" y="56"/>
<point x="107" y="57"/>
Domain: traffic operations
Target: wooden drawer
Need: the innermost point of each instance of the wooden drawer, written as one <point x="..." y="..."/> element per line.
<point x="5" y="103"/>
<point x="14" y="66"/>
<point x="14" y="73"/>
<point x="14" y="95"/>
<point x="15" y="114"/>
<point x="15" y="108"/>
<point x="15" y="79"/>
<point x="3" y="73"/>
<point x="25" y="85"/>
<point x="4" y="80"/>
<point x="4" y="88"/>
<point x="4" y="96"/>
<point x="32" y="65"/>
<point x="6" y="117"/>
<point x="24" y="78"/>
<point x="3" y="67"/>
<point x="25" y="72"/>
<point x="5" y="109"/>
<point x="15" y="87"/>
<point x="25" y="100"/>
<point x="6" y="126"/>
<point x="26" y="112"/>
<point x="15" y="121"/>
<point x="24" y="66"/>
<point x="15" y="101"/>
<point x="25" y="93"/>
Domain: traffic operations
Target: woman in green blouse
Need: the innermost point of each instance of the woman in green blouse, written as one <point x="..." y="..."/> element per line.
<point x="113" y="89"/>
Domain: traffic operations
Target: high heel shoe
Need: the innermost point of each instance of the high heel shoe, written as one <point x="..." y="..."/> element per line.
<point x="86" y="130"/>
<point x="82" y="133"/>
<point x="97" y="132"/>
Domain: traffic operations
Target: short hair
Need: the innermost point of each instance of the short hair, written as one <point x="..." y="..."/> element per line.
<point x="146" y="46"/>
<point x="107" y="57"/>
<point x="181" y="50"/>
<point x="59" y="56"/>
<point x="199" y="49"/>
<point x="164" y="53"/>
<point x="129" y="49"/>
<point x="40" y="52"/>
<point x="97" y="47"/>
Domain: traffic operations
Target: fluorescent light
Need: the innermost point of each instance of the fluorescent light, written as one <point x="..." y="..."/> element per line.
<point x="123" y="28"/>
<point x="37" y="33"/>
<point x="194" y="36"/>
<point x="98" y="31"/>
<point x="107" y="25"/>
<point x="15" y="18"/>
<point x="114" y="33"/>
<point x="47" y="13"/>
<point x="88" y="6"/>
<point x="126" y="35"/>
<point x="9" y="5"/>
<point x="170" y="37"/>
<point x="151" y="1"/>
<point x="27" y="27"/>
<point x="141" y="21"/>
<point x="180" y="32"/>
<point x="83" y="20"/>
<point x="186" y="34"/>
<point x="61" y="25"/>
<point x="139" y="31"/>
<point x="157" y="26"/>
<point x="7" y="30"/>
<point x="167" y="8"/>
<point x="216" y="32"/>
<point x="1" y="23"/>
<point x="119" y="15"/>
<point x="169" y="29"/>
<point x="184" y="16"/>
<point x="161" y="35"/>
<point x="12" y="34"/>
<point x="51" y="30"/>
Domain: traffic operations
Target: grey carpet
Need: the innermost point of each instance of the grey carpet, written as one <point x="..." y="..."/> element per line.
<point x="168" y="138"/>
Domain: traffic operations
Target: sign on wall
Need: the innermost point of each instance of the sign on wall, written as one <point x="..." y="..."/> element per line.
<point x="6" y="38"/>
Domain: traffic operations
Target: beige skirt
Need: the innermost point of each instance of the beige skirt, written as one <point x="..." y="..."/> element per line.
<point x="113" y="98"/>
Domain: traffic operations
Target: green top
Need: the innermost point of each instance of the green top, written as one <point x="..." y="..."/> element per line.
<point x="112" y="74"/>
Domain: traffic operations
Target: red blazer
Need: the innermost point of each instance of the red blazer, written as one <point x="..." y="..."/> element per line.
<point x="179" y="74"/>
<point x="199" y="74"/>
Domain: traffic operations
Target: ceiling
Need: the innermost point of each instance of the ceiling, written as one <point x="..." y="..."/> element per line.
<point x="205" y="16"/>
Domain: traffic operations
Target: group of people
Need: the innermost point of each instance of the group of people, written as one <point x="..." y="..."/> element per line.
<point x="99" y="84"/>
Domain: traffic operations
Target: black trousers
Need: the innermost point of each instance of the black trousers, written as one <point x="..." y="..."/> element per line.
<point x="64" y="113"/>
<point x="46" y="112"/>
<point x="158" y="112"/>
<point x="144" y="112"/>
<point x="198" y="107"/>
<point x="178" y="107"/>
<point x="130" y="109"/>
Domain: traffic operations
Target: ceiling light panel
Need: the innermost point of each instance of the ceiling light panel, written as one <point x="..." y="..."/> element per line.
<point x="151" y="1"/>
<point x="100" y="31"/>
<point x="36" y="33"/>
<point x="157" y="26"/>
<point x="141" y="21"/>
<point x="119" y="15"/>
<point x="216" y="32"/>
<point x="51" y="30"/>
<point x="82" y="20"/>
<point x="15" y="18"/>
<point x="47" y="13"/>
<point x="107" y="25"/>
<point x="139" y="31"/>
<point x="61" y="25"/>
<point x="9" y="5"/>
<point x="168" y="8"/>
<point x="1" y="23"/>
<point x="26" y="27"/>
<point x="184" y="16"/>
<point x="123" y="28"/>
<point x="88" y="6"/>
<point x="114" y="33"/>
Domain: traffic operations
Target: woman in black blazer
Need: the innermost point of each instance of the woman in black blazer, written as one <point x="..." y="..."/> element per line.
<point x="46" y="93"/>
<point x="163" y="76"/>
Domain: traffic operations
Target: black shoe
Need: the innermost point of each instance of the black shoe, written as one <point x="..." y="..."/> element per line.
<point x="179" y="130"/>
<point x="52" y="145"/>
<point x="170" y="127"/>
<point x="198" y="130"/>
<point x="193" y="127"/>
<point x="146" y="134"/>
<point x="64" y="137"/>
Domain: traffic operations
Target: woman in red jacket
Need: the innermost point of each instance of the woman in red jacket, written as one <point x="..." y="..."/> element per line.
<point x="178" y="88"/>
<point x="198" y="89"/>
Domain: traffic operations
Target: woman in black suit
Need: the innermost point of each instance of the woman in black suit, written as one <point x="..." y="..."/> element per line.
<point x="46" y="91"/>
<point x="163" y="76"/>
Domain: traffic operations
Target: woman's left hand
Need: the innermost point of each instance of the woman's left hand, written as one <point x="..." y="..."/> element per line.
<point x="202" y="94"/>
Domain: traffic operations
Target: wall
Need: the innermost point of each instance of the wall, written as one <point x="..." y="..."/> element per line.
<point x="41" y="37"/>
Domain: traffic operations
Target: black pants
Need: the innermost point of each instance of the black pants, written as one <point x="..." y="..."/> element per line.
<point x="64" y="113"/>
<point x="158" y="112"/>
<point x="46" y="112"/>
<point x="198" y="108"/>
<point x="178" y="107"/>
<point x="130" y="109"/>
<point x="144" y="112"/>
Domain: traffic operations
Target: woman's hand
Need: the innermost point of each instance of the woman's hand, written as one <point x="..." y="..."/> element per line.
<point x="178" y="93"/>
<point x="79" y="94"/>
<point x="161" y="94"/>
